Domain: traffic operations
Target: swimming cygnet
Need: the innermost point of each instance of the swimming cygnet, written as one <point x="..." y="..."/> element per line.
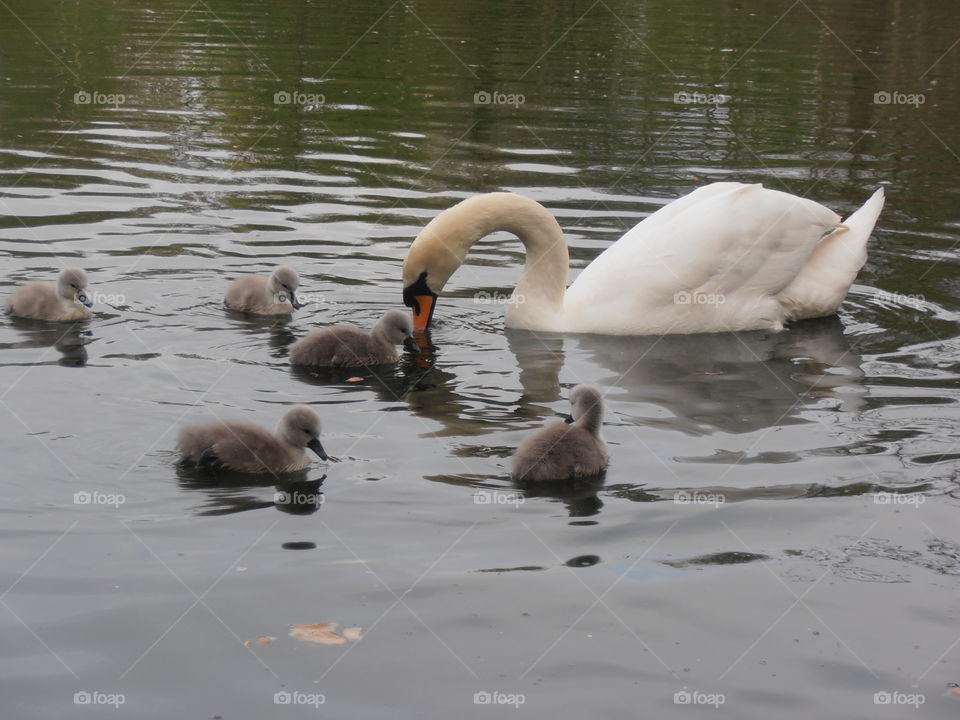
<point x="245" y="447"/>
<point x="276" y="295"/>
<point x="346" y="346"/>
<point x="68" y="299"/>
<point x="566" y="451"/>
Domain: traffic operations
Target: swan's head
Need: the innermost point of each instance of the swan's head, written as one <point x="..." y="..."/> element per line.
<point x="396" y="327"/>
<point x="432" y="258"/>
<point x="72" y="285"/>
<point x="283" y="285"/>
<point x="300" y="427"/>
<point x="586" y="404"/>
<point x="442" y="246"/>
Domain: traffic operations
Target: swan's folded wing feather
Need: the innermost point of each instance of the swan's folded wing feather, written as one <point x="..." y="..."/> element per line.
<point x="822" y="283"/>
<point x="727" y="238"/>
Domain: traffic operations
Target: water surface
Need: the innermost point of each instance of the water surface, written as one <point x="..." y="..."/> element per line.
<point x="156" y="148"/>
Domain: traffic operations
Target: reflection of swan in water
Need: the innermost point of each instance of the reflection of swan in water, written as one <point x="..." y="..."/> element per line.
<point x="698" y="384"/>
<point x="69" y="340"/>
<point x="390" y="383"/>
<point x="581" y="498"/>
<point x="281" y="337"/>
<point x="225" y="493"/>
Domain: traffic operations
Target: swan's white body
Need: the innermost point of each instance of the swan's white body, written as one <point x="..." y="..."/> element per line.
<point x="728" y="256"/>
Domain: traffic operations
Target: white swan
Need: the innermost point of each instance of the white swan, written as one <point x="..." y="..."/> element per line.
<point x="728" y="256"/>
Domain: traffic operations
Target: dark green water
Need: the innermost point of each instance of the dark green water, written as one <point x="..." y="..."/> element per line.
<point x="154" y="147"/>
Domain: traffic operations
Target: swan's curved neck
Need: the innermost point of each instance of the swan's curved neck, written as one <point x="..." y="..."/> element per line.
<point x="592" y="419"/>
<point x="443" y="244"/>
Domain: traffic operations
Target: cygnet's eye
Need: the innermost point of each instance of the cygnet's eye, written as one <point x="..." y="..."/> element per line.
<point x="307" y="431"/>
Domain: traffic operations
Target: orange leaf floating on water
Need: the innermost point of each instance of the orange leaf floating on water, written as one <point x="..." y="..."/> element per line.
<point x="260" y="641"/>
<point x="352" y="633"/>
<point x="323" y="633"/>
<point x="355" y="379"/>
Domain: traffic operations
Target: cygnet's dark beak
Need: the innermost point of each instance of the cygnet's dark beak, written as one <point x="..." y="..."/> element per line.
<point x="85" y="299"/>
<point x="318" y="448"/>
<point x="568" y="419"/>
<point x="410" y="344"/>
<point x="293" y="301"/>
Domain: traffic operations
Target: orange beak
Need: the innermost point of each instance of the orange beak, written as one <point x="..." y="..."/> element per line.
<point x="423" y="311"/>
<point x="419" y="296"/>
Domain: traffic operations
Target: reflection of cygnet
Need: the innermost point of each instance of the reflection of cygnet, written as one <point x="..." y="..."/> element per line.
<point x="256" y="294"/>
<point x="67" y="300"/>
<point x="245" y="447"/>
<point x="565" y="451"/>
<point x="346" y="346"/>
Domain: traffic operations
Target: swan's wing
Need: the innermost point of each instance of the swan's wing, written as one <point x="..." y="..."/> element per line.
<point x="743" y="242"/>
<point x="822" y="284"/>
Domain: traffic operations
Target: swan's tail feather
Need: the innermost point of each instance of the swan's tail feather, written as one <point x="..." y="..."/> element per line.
<point x="822" y="284"/>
